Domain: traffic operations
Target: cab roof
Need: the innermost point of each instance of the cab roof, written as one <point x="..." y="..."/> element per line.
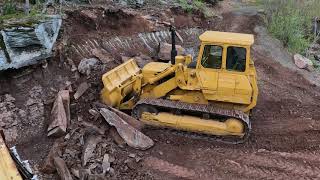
<point x="227" y="38"/>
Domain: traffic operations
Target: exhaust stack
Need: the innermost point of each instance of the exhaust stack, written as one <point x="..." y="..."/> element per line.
<point x="173" y="44"/>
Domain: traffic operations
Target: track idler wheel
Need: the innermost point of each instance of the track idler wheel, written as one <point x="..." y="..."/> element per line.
<point x="234" y="125"/>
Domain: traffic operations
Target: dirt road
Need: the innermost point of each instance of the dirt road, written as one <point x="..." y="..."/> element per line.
<point x="285" y="140"/>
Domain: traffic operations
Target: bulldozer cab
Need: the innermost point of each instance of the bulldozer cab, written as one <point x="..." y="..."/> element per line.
<point x="224" y="51"/>
<point x="235" y="59"/>
<point x="223" y="66"/>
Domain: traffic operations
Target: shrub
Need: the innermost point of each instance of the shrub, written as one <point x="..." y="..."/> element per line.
<point x="9" y="7"/>
<point x="290" y="21"/>
<point x="195" y="5"/>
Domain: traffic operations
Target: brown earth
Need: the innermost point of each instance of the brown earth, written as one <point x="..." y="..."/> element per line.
<point x="284" y="143"/>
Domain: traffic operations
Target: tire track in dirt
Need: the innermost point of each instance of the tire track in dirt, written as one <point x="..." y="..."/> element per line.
<point x="271" y="165"/>
<point x="257" y="164"/>
<point x="169" y="168"/>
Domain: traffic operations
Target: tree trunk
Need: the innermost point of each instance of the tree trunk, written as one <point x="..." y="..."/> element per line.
<point x="27" y="7"/>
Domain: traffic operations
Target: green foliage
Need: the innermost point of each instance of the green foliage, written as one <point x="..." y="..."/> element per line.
<point x="9" y="7"/>
<point x="10" y="12"/>
<point x="195" y="5"/>
<point x="290" y="21"/>
<point x="186" y="6"/>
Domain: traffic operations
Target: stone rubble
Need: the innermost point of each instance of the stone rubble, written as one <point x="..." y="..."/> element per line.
<point x="30" y="114"/>
<point x="82" y="88"/>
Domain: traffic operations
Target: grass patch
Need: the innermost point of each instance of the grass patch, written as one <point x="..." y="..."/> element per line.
<point x="12" y="17"/>
<point x="291" y="21"/>
<point x="9" y="7"/>
<point x="195" y="5"/>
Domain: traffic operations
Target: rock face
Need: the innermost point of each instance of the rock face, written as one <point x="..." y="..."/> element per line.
<point x="165" y="51"/>
<point x="22" y="45"/>
<point x="303" y="62"/>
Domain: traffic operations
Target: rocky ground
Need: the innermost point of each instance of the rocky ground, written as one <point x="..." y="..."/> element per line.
<point x="284" y="143"/>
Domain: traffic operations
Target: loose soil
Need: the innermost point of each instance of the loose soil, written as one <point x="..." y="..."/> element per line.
<point x="285" y="139"/>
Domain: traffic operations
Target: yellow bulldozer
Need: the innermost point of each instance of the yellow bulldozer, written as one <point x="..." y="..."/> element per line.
<point x="212" y="95"/>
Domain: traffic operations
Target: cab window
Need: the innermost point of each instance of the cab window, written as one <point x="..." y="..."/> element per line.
<point x="236" y="59"/>
<point x="212" y="57"/>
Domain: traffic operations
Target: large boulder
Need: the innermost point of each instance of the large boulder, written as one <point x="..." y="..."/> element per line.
<point x="133" y="3"/>
<point x="165" y="51"/>
<point x="87" y="65"/>
<point x="26" y="41"/>
<point x="303" y="62"/>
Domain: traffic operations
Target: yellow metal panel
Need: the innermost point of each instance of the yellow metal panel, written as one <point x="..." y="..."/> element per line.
<point x="243" y="86"/>
<point x="241" y="99"/>
<point x="8" y="170"/>
<point x="227" y="38"/>
<point x="154" y="71"/>
<point x="119" y="82"/>
<point x="194" y="124"/>
<point x="155" y="67"/>
<point x="192" y="80"/>
<point x="119" y="75"/>
<point x="226" y="84"/>
<point x="189" y="97"/>
<point x="208" y="79"/>
<point x="161" y="89"/>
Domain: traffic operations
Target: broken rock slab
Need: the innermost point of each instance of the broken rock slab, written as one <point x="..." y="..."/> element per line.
<point x="129" y="119"/>
<point x="303" y="62"/>
<point x="116" y="137"/>
<point x="62" y="169"/>
<point x="165" y="51"/>
<point x="106" y="163"/>
<point x="82" y="88"/>
<point x="60" y="115"/>
<point x="89" y="147"/>
<point x="48" y="166"/>
<point x="132" y="136"/>
<point x="27" y="41"/>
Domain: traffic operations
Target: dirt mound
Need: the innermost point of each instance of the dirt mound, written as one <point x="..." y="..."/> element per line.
<point x="107" y="21"/>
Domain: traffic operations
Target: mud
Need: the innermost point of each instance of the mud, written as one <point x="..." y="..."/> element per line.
<point x="285" y="139"/>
